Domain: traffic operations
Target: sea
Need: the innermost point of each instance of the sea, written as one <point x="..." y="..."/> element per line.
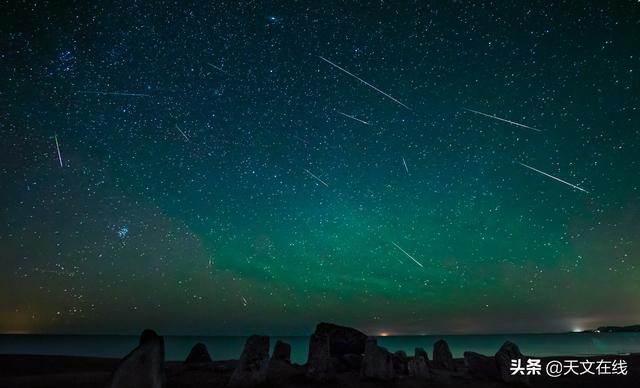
<point x="223" y="348"/>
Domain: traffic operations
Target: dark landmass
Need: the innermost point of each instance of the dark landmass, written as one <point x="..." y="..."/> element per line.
<point x="21" y="371"/>
<point x="619" y="329"/>
<point x="354" y="360"/>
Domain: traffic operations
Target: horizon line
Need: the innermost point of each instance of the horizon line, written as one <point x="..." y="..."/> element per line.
<point x="379" y="334"/>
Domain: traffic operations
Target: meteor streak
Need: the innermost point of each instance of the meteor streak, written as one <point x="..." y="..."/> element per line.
<point x="353" y="118"/>
<point x="501" y="119"/>
<point x="553" y="177"/>
<point x="364" y="82"/>
<point x="408" y="255"/>
<point x="217" y="68"/>
<point x="315" y="177"/>
<point x="55" y="136"/>
<point x="183" y="134"/>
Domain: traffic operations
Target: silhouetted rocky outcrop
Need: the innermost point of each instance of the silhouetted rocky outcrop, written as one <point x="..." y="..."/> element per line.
<point x="377" y="362"/>
<point x="421" y="352"/>
<point x="320" y="364"/>
<point x="198" y="354"/>
<point x="342" y="340"/>
<point x="418" y="366"/>
<point x="143" y="367"/>
<point x="281" y="352"/>
<point x="481" y="366"/>
<point x="510" y="351"/>
<point x="442" y="357"/>
<point x="400" y="362"/>
<point x="253" y="364"/>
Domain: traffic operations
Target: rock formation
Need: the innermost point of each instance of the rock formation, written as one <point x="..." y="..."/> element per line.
<point x="342" y="340"/>
<point x="442" y="357"/>
<point x="253" y="365"/>
<point x="417" y="365"/>
<point x="282" y="352"/>
<point x="377" y="362"/>
<point x="480" y="366"/>
<point x="320" y="364"/>
<point x="400" y="362"/>
<point x="143" y="367"/>
<point x="198" y="354"/>
<point x="421" y="352"/>
<point x="510" y="351"/>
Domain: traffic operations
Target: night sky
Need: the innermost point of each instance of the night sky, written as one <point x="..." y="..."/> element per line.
<point x="212" y="168"/>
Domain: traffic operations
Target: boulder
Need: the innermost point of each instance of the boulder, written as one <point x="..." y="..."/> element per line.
<point x="442" y="357"/>
<point x="480" y="366"/>
<point x="417" y="365"/>
<point x="253" y="365"/>
<point x="510" y="351"/>
<point x="400" y="362"/>
<point x="198" y="354"/>
<point x="421" y="352"/>
<point x="320" y="365"/>
<point x="282" y="352"/>
<point x="377" y="362"/>
<point x="144" y="366"/>
<point x="148" y="336"/>
<point x="342" y="340"/>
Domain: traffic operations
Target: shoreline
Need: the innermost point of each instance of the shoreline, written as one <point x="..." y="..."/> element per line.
<point x="336" y="356"/>
<point x="223" y="348"/>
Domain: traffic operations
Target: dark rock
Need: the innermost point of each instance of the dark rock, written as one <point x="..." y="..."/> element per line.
<point x="377" y="362"/>
<point x="480" y="366"/>
<point x="253" y="365"/>
<point x="421" y="352"/>
<point x="442" y="357"/>
<point x="400" y="362"/>
<point x="281" y="352"/>
<point x="320" y="365"/>
<point x="418" y="366"/>
<point x="149" y="336"/>
<point x="352" y="361"/>
<point x="342" y="340"/>
<point x="282" y="373"/>
<point x="198" y="354"/>
<point x="144" y="366"/>
<point x="510" y="351"/>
